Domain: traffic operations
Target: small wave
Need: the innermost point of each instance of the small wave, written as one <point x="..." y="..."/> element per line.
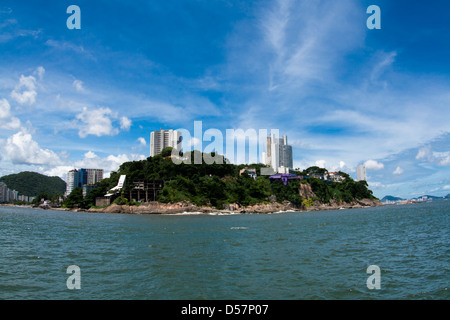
<point x="239" y="228"/>
<point x="186" y="213"/>
<point x="224" y="213"/>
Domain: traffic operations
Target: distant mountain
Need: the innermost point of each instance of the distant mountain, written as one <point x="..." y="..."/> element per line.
<point x="447" y="196"/>
<point x="32" y="183"/>
<point x="391" y="198"/>
<point x="433" y="197"/>
<point x="428" y="198"/>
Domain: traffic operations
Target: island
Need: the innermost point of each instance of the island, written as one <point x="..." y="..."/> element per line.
<point x="159" y="185"/>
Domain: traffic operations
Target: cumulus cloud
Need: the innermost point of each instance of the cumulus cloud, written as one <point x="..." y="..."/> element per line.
<point x="444" y="161"/>
<point x="108" y="164"/>
<point x="25" y="92"/>
<point x="40" y="71"/>
<point x="58" y="171"/>
<point x="142" y="141"/>
<point x="376" y="185"/>
<point x="398" y="171"/>
<point x="100" y="122"/>
<point x="321" y="163"/>
<point x="92" y="161"/>
<point x="424" y="153"/>
<point x="125" y="123"/>
<point x="193" y="142"/>
<point x="373" y="165"/>
<point x="6" y="120"/>
<point x="96" y="122"/>
<point x="22" y="149"/>
<point x="78" y="84"/>
<point x="439" y="158"/>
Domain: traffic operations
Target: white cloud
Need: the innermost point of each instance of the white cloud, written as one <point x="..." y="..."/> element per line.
<point x="58" y="171"/>
<point x="108" y="164"/>
<point x="4" y="109"/>
<point x="22" y="149"/>
<point x="92" y="161"/>
<point x="447" y="187"/>
<point x="6" y="120"/>
<point x="25" y="91"/>
<point x="386" y="60"/>
<point x="40" y="71"/>
<point x="443" y="160"/>
<point x="373" y="165"/>
<point x="69" y="46"/>
<point x="307" y="38"/>
<point x="100" y="122"/>
<point x="125" y="123"/>
<point x="321" y="163"/>
<point x="376" y="185"/>
<point x="424" y="153"/>
<point x="96" y="122"/>
<point x="78" y="84"/>
<point x="398" y="171"/>
<point x="142" y="141"/>
<point x="439" y="158"/>
<point x="193" y="142"/>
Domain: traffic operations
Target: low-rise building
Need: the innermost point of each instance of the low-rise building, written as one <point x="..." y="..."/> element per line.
<point x="250" y="171"/>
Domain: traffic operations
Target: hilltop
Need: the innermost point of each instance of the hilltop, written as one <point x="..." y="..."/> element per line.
<point x="32" y="183"/>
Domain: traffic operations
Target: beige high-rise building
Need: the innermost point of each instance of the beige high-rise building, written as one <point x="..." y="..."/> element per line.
<point x="162" y="139"/>
<point x="278" y="153"/>
<point x="361" y="173"/>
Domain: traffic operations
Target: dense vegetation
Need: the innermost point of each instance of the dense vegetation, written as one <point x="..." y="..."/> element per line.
<point x="218" y="184"/>
<point x="32" y="184"/>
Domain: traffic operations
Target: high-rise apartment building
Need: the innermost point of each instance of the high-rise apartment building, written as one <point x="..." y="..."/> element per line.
<point x="278" y="153"/>
<point x="162" y="139"/>
<point x="361" y="173"/>
<point x="3" y="192"/>
<point x="82" y="177"/>
<point x="73" y="181"/>
<point x="93" y="176"/>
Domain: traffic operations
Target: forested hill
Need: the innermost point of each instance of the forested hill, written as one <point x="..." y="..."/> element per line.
<point x="219" y="185"/>
<point x="33" y="183"/>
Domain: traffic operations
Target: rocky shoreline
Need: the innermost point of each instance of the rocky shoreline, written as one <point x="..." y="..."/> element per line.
<point x="186" y="207"/>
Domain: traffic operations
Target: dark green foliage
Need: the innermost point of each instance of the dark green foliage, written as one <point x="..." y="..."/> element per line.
<point x="45" y="196"/>
<point x="166" y="152"/>
<point x="75" y="198"/>
<point x="32" y="183"/>
<point x="289" y="192"/>
<point x="346" y="191"/>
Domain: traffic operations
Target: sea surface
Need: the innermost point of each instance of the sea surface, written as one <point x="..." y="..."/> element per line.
<point x="280" y="256"/>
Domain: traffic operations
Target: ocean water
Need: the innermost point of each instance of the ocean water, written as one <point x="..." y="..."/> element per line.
<point x="280" y="256"/>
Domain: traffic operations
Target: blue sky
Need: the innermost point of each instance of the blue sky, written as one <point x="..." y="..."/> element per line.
<point x="343" y="94"/>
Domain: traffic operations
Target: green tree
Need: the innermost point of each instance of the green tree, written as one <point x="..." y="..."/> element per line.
<point x="75" y="198"/>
